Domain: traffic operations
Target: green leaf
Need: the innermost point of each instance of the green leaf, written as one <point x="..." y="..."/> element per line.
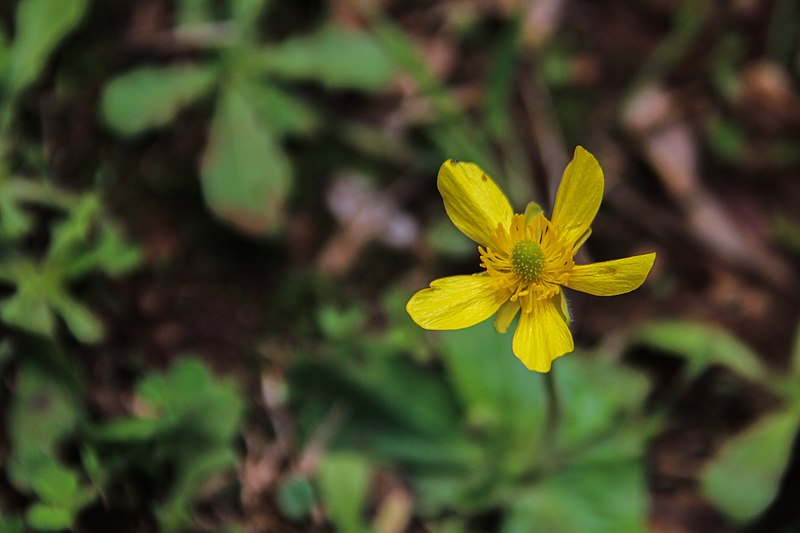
<point x="28" y="311"/>
<point x="501" y="395"/>
<point x="40" y="25"/>
<point x="196" y="469"/>
<point x="128" y="430"/>
<point x="340" y="324"/>
<point x="43" y="410"/>
<point x="796" y="352"/>
<point x="295" y="497"/>
<point x="343" y="480"/>
<point x="11" y="524"/>
<point x="14" y="220"/>
<point x="56" y="484"/>
<point x="191" y="420"/>
<point x="702" y="346"/>
<point x="42" y="413"/>
<point x="393" y="411"/>
<point x="84" y="324"/>
<point x="335" y="57"/>
<point x="245" y="173"/>
<point x="193" y="12"/>
<point x="151" y="97"/>
<point x="745" y="476"/>
<point x="112" y="254"/>
<point x="501" y="79"/>
<point x="597" y="396"/>
<point x="282" y="112"/>
<point x="73" y="231"/>
<point x="246" y="14"/>
<point x="604" y="498"/>
<point x="44" y="517"/>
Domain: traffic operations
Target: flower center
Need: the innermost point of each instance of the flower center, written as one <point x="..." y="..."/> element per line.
<point x="527" y="258"/>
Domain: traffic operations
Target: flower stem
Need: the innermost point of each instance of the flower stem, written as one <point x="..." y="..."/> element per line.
<point x="553" y="410"/>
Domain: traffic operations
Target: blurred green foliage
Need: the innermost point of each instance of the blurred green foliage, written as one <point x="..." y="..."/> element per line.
<point x="245" y="173"/>
<point x="452" y="417"/>
<point x="746" y="474"/>
<point x="83" y="243"/>
<point x="182" y="439"/>
<point x="187" y="426"/>
<point x="480" y="441"/>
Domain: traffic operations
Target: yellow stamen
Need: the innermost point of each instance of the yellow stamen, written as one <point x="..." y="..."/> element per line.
<point x="528" y="260"/>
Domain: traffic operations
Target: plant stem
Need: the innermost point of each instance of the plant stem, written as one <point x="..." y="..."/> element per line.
<point x="553" y="410"/>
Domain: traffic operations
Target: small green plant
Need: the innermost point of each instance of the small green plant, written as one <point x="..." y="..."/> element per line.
<point x="246" y="175"/>
<point x="744" y="476"/>
<point x="84" y="242"/>
<point x="481" y="440"/>
<point x="44" y="413"/>
<point x="183" y="437"/>
<point x="40" y="26"/>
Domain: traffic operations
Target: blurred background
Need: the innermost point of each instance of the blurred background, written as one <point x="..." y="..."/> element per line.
<point x="212" y="214"/>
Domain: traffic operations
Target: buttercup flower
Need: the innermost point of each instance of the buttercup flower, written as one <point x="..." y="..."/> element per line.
<point x="527" y="260"/>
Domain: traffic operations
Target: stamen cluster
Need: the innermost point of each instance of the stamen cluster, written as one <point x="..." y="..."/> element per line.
<point x="528" y="259"/>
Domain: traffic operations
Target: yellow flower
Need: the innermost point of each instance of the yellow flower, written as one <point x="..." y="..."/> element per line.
<point x="527" y="259"/>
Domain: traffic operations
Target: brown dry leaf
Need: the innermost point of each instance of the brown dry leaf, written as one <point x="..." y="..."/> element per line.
<point x="364" y="215"/>
<point x="541" y="19"/>
<point x="667" y="140"/>
<point x="394" y="512"/>
<point x="767" y="96"/>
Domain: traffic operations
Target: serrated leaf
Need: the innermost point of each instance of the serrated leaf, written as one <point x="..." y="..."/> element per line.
<point x="245" y="173"/>
<point x="40" y="25"/>
<point x="343" y="480"/>
<point x="335" y="57"/>
<point x="151" y="97"/>
<point x="745" y="475"/>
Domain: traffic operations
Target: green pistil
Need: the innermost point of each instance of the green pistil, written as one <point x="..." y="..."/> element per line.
<point x="528" y="260"/>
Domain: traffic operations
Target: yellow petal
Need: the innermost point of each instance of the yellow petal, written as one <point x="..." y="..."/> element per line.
<point x="456" y="302"/>
<point x="474" y="203"/>
<point x="565" y="314"/>
<point x="578" y="197"/>
<point x="542" y="335"/>
<point x="505" y="315"/>
<point x="610" y="278"/>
